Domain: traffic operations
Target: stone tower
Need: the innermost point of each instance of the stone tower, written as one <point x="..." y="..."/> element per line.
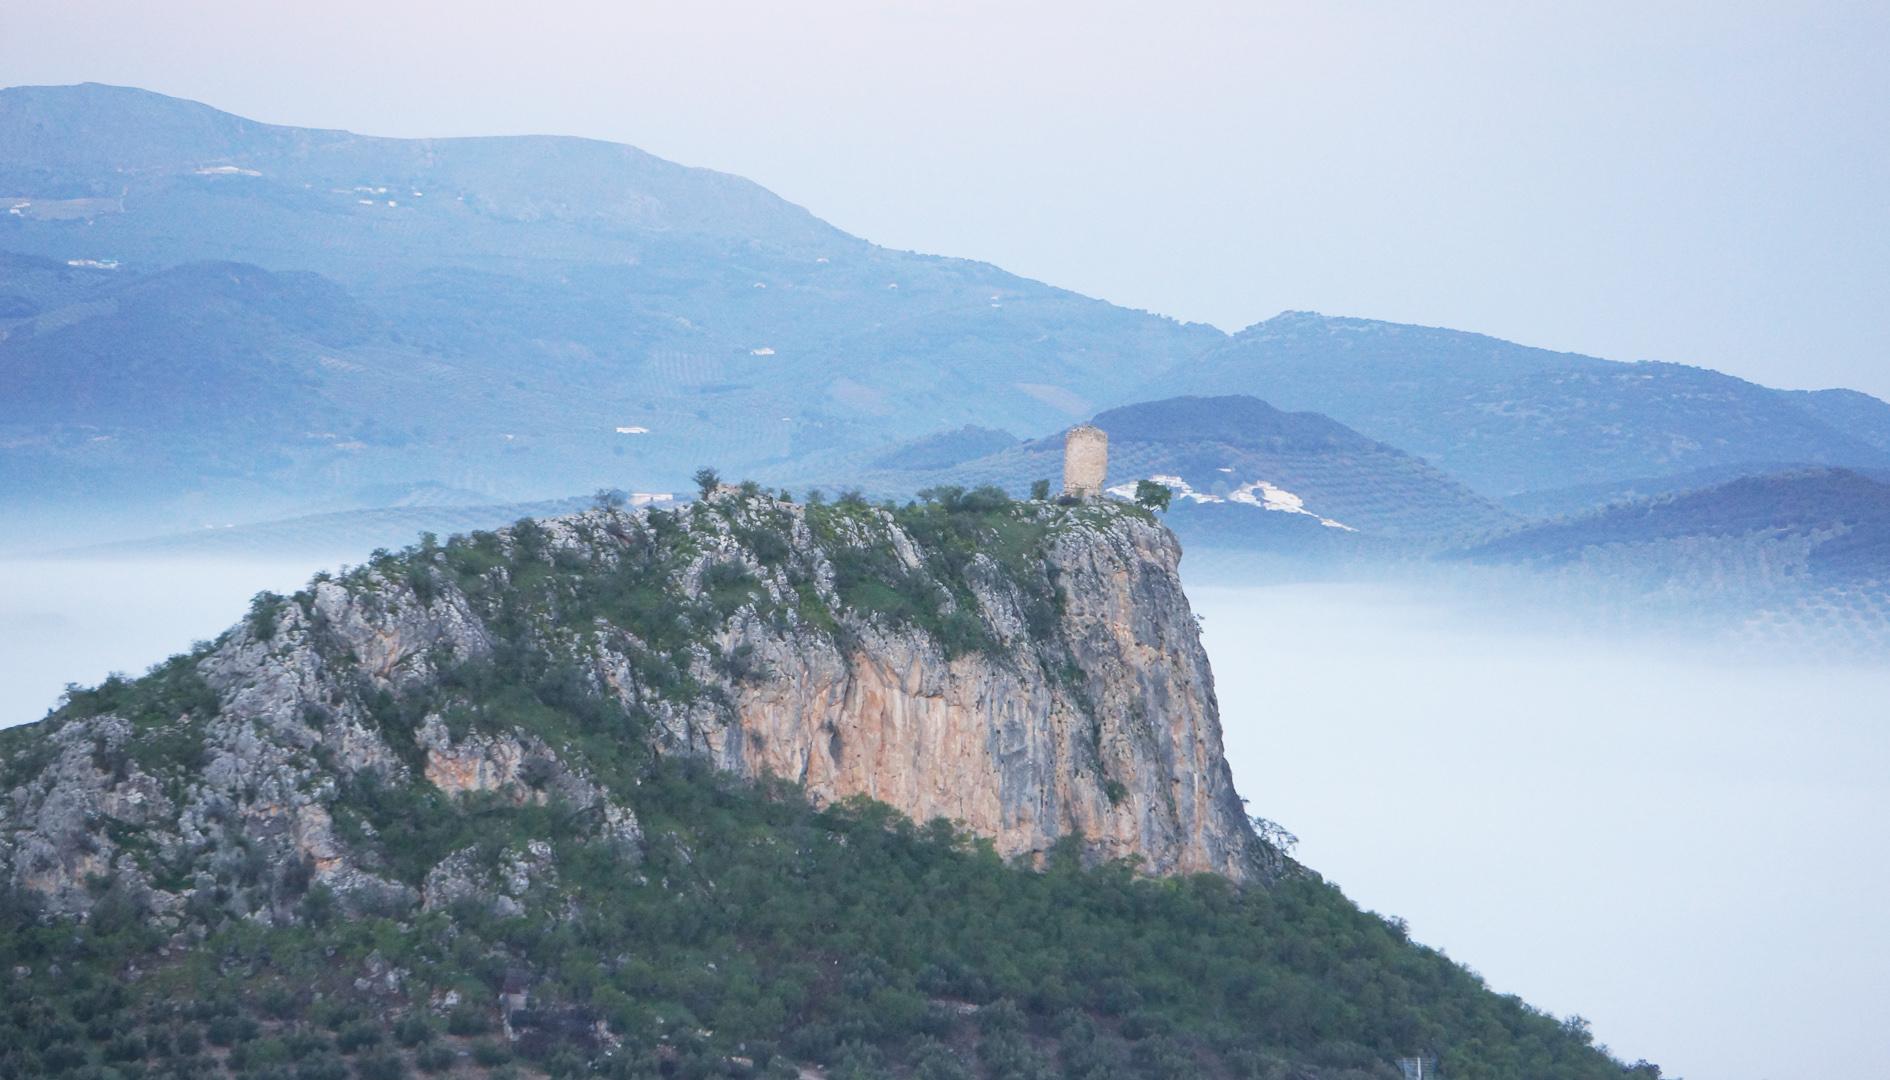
<point x="1085" y="461"/>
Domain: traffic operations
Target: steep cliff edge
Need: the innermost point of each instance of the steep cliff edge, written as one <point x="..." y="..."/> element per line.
<point x="1029" y="671"/>
<point x="608" y="795"/>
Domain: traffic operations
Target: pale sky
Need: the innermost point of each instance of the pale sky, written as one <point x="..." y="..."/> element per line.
<point x="1700" y="182"/>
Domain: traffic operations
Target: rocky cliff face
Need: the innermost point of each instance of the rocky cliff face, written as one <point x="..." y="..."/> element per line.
<point x="1105" y="725"/>
<point x="1029" y="670"/>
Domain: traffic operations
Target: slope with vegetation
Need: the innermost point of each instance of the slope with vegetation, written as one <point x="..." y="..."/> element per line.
<point x="457" y="812"/>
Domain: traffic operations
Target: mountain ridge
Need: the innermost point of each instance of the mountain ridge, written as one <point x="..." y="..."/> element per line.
<point x="535" y="306"/>
<point x="225" y="140"/>
<point x="1508" y="418"/>
<point x="547" y="314"/>
<point x="1796" y="559"/>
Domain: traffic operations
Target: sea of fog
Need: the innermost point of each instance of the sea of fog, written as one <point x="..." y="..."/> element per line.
<point x="78" y="620"/>
<point x="1690" y="850"/>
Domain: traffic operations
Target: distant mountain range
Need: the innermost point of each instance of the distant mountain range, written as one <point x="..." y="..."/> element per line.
<point x="1794" y="552"/>
<point x="345" y="536"/>
<point x="205" y="319"/>
<point x="1507" y="419"/>
<point x="1580" y="499"/>
<point x="1837" y="520"/>
<point x="521" y="316"/>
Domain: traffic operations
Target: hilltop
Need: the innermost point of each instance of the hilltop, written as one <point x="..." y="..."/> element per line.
<point x="1232" y="458"/>
<point x="742" y="788"/>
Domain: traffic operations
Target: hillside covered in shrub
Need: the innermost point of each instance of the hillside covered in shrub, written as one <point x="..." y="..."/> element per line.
<point x="471" y="810"/>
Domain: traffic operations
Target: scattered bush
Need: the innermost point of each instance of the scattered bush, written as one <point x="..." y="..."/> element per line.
<point x="414" y="1029"/>
<point x="489" y="1053"/>
<point x="1152" y="495"/>
<point x="434" y="1058"/>
<point x="467" y="1020"/>
<point x="357" y="1036"/>
<point x="380" y="1066"/>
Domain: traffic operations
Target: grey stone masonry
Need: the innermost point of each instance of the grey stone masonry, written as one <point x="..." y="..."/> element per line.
<point x="1085" y="461"/>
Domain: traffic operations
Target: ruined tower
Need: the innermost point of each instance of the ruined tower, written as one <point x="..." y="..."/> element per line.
<point x="1085" y="461"/>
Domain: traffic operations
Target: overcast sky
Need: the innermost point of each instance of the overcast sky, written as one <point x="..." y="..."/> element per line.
<point x="1707" y="183"/>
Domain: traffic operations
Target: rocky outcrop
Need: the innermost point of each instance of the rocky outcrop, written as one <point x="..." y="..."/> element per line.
<point x="505" y="888"/>
<point x="1030" y="671"/>
<point x="62" y="820"/>
<point x="1096" y="718"/>
<point x="1109" y="729"/>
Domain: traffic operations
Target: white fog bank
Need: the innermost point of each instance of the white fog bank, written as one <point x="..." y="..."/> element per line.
<point x="65" y="621"/>
<point x="1690" y="853"/>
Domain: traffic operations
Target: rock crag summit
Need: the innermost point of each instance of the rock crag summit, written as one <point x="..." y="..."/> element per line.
<point x="1028" y="670"/>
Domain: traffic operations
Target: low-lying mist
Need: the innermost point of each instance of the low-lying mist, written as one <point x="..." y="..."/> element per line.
<point x="78" y="620"/>
<point x="1688" y="849"/>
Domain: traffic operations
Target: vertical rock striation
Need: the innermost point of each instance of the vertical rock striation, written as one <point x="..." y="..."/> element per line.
<point x="1031" y="671"/>
<point x="1106" y="727"/>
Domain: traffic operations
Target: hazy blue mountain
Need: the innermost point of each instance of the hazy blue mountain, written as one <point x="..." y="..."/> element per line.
<point x="946" y="448"/>
<point x="1580" y="499"/>
<point x="1244" y="473"/>
<point x="343" y="535"/>
<point x="224" y="391"/>
<point x="208" y="320"/>
<point x="520" y="317"/>
<point x="1851" y="411"/>
<point x="1329" y="493"/>
<point x="1786" y="555"/>
<point x="1507" y="418"/>
<point x="1843" y="516"/>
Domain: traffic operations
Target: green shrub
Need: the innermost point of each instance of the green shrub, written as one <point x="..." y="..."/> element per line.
<point x="325" y="1067"/>
<point x="125" y="1048"/>
<point x="380" y="1066"/>
<point x="230" y="1030"/>
<point x="264" y="1051"/>
<point x="729" y="586"/>
<point x="265" y="611"/>
<point x="467" y="1020"/>
<point x="434" y="1058"/>
<point x="357" y="1036"/>
<point x="188" y="1041"/>
<point x="489" y="1053"/>
<point x="414" y="1029"/>
<point x="60" y="1058"/>
<point x="306" y="1045"/>
<point x="280" y="1002"/>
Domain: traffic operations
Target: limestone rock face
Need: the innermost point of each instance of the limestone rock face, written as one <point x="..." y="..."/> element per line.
<point x="1097" y="717"/>
<point x="1028" y="670"/>
<point x="1110" y="730"/>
